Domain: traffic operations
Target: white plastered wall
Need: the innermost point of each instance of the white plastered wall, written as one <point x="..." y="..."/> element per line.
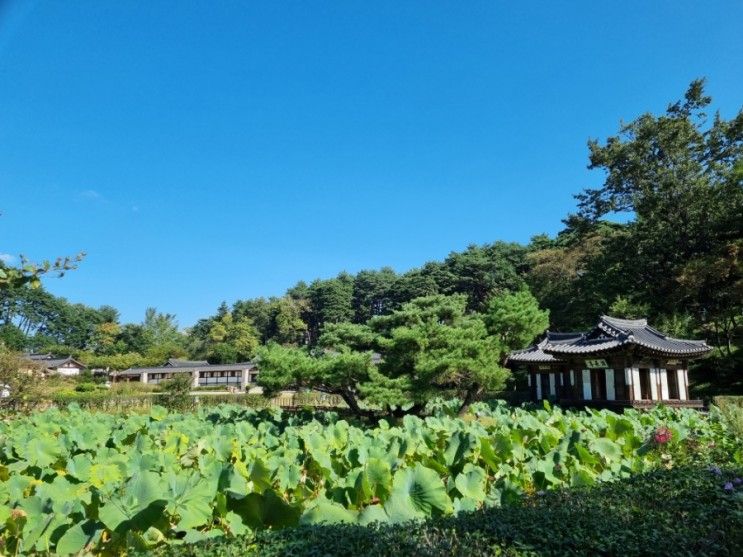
<point x="610" y="393"/>
<point x="586" y="384"/>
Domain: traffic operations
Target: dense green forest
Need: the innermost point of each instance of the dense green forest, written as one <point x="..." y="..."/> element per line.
<point x="662" y="237"/>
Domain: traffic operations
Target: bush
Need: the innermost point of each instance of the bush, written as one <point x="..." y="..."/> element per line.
<point x="176" y="393"/>
<point x="731" y="411"/>
<point x="666" y="512"/>
<point x="20" y="380"/>
<point x="132" y="388"/>
<point x="86" y="387"/>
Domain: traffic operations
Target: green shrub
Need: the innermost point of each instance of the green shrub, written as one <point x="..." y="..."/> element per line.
<point x="132" y="388"/>
<point x="86" y="387"/>
<point x="176" y="392"/>
<point x="731" y="411"/>
<point x="684" y="511"/>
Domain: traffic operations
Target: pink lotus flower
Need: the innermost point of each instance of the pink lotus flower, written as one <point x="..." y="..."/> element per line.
<point x="662" y="435"/>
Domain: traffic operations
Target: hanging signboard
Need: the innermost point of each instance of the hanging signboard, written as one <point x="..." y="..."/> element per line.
<point x="591" y="364"/>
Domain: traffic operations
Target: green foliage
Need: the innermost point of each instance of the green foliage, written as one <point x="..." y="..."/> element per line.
<point x="176" y="392"/>
<point x="671" y="512"/>
<point x="678" y="173"/>
<point x="429" y="347"/>
<point x="19" y="380"/>
<point x="69" y="479"/>
<point x="30" y="273"/>
<point x="516" y="319"/>
<point x="731" y="413"/>
<point x="231" y="340"/>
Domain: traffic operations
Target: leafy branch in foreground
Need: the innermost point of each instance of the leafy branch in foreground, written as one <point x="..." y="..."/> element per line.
<point x="30" y="273"/>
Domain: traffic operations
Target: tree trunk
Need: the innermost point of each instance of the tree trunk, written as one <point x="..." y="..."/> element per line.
<point x="469" y="397"/>
<point x="350" y="399"/>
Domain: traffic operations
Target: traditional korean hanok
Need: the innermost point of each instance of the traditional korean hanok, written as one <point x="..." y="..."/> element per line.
<point x="620" y="362"/>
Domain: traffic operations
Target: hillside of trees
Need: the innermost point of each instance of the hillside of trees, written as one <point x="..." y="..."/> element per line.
<point x="677" y="259"/>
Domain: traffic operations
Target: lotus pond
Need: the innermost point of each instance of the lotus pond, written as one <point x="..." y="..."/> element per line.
<point x="74" y="480"/>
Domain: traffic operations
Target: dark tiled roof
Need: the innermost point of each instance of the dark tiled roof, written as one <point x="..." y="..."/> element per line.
<point x="187" y="369"/>
<point x="533" y="354"/>
<point x="609" y="334"/>
<point x="175" y="362"/>
<point x="47" y="361"/>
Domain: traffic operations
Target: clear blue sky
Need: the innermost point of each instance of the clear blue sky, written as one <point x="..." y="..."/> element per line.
<point x="212" y="151"/>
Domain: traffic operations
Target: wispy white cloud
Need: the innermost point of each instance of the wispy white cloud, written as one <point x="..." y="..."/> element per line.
<point x="92" y="195"/>
<point x="7" y="258"/>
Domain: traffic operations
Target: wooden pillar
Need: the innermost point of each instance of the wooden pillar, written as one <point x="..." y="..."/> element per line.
<point x="538" y="381"/>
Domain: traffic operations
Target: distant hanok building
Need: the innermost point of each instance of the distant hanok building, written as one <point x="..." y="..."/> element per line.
<point x="241" y="376"/>
<point x="620" y="362"/>
<point x="49" y="364"/>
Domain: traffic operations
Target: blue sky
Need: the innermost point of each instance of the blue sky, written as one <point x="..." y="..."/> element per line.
<point x="201" y="152"/>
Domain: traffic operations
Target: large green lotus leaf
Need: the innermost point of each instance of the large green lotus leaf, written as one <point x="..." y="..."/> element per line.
<point x="607" y="448"/>
<point x="376" y="479"/>
<point x="318" y="448"/>
<point x="373" y="513"/>
<point x="79" y="467"/>
<point x="259" y="476"/>
<point x="488" y="455"/>
<point x="141" y="503"/>
<point x="471" y="482"/>
<point x="42" y="452"/>
<point x="619" y="427"/>
<point x="288" y="476"/>
<point x="518" y="446"/>
<point x="339" y="434"/>
<point x="324" y="511"/>
<point x="141" y="461"/>
<point x="584" y="456"/>
<point x="581" y="476"/>
<point x="465" y="504"/>
<point x="457" y="447"/>
<point x="66" y="497"/>
<point x="268" y="510"/>
<point x="17" y="485"/>
<point x="158" y="413"/>
<point x="222" y="447"/>
<point x="544" y="473"/>
<point x="78" y="537"/>
<point x="234" y="483"/>
<point x="104" y="475"/>
<point x="189" y="496"/>
<point x="235" y="524"/>
<point x="417" y="493"/>
<point x="175" y="442"/>
<point x="43" y="526"/>
<point x="196" y="536"/>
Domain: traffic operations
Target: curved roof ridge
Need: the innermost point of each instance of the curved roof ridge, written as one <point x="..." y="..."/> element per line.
<point x="621" y="322"/>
